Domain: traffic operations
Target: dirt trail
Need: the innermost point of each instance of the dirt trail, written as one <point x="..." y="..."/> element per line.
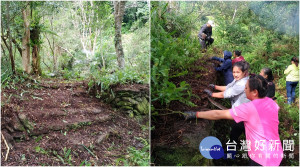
<point x="56" y="122"/>
<point x="170" y="127"/>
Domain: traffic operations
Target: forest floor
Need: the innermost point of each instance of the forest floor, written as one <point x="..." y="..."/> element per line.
<point x="56" y="122"/>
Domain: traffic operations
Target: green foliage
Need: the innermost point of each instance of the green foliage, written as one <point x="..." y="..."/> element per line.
<point x="136" y="157"/>
<point x="136" y="15"/>
<point x="172" y="52"/>
<point x="70" y="74"/>
<point x="232" y="36"/>
<point x="265" y="32"/>
<point x="65" y="157"/>
<point x="38" y="149"/>
<point x="10" y="81"/>
<point x="104" y="71"/>
<point x="85" y="163"/>
<point x="105" y="79"/>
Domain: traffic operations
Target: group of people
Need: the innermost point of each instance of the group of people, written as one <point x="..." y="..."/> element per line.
<point x="292" y="71"/>
<point x="253" y="106"/>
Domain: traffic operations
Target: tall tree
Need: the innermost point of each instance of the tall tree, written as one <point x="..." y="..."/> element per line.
<point x="35" y="39"/>
<point x="8" y="43"/>
<point x="26" y="39"/>
<point x="119" y="7"/>
<point x="85" y="19"/>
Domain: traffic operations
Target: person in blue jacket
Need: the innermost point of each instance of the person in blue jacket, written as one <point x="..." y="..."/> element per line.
<point x="226" y="66"/>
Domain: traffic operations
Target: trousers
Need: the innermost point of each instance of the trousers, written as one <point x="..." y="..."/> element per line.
<point x="290" y="91"/>
<point x="205" y="42"/>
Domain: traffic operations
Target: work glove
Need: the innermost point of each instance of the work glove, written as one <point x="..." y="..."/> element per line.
<point x="208" y="92"/>
<point x="211" y="86"/>
<point x="190" y="115"/>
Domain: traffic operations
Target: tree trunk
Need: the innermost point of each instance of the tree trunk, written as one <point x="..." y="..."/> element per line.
<point x="36" y="60"/>
<point x="234" y="15"/>
<point x="35" y="38"/>
<point x="53" y="47"/>
<point x="26" y="39"/>
<point x="9" y="45"/>
<point x="101" y="49"/>
<point x="119" y="7"/>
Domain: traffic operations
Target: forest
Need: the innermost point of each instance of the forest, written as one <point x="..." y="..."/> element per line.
<point x="110" y="83"/>
<point x="267" y="34"/>
<point x="74" y="83"/>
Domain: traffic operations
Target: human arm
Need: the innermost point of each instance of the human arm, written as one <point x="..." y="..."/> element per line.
<point x="217" y="58"/>
<point x="220" y="88"/>
<point x="214" y="114"/>
<point x="218" y="95"/>
<point x="227" y="64"/>
<point x="235" y="88"/>
<point x="202" y="32"/>
<point x="240" y="113"/>
<point x="288" y="70"/>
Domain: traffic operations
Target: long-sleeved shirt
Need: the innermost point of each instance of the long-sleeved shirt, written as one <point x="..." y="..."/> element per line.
<point x="292" y="73"/>
<point x="206" y="30"/>
<point x="235" y="91"/>
<point x="237" y="59"/>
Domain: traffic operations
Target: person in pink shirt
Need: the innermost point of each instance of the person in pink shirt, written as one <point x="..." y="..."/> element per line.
<point x="260" y="117"/>
<point x="237" y="57"/>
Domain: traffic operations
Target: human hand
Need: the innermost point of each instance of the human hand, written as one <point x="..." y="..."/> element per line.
<point x="190" y="115"/>
<point x="204" y="36"/>
<point x="211" y="86"/>
<point x="208" y="92"/>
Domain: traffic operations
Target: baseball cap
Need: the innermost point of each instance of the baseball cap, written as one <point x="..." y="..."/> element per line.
<point x="211" y="23"/>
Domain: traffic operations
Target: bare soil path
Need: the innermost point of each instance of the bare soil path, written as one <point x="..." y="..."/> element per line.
<point x="56" y="122"/>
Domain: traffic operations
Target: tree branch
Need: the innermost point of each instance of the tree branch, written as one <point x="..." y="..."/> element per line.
<point x="17" y="46"/>
<point x="4" y="40"/>
<point x="66" y="50"/>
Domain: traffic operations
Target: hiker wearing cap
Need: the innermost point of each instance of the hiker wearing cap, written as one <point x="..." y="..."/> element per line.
<point x="237" y="57"/>
<point x="205" y="34"/>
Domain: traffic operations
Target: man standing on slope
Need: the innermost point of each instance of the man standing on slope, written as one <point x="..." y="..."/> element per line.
<point x="204" y="35"/>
